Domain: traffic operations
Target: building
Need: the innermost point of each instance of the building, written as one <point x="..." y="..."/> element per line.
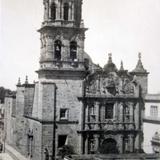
<point x="75" y="102"/>
<point x="2" y="111"/>
<point x="152" y="121"/>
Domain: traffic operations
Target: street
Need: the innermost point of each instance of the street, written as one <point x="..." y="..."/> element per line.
<point x="5" y="156"/>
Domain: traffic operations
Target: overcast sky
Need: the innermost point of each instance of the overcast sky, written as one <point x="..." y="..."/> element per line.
<point x="122" y="27"/>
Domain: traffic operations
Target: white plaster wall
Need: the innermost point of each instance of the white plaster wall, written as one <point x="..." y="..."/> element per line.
<point x="148" y="106"/>
<point x="149" y="131"/>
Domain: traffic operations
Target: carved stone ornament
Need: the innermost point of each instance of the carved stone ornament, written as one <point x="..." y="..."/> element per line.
<point x="128" y="87"/>
<point x="109" y="84"/>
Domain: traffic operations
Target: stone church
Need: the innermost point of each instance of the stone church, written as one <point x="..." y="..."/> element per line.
<point x="75" y="102"/>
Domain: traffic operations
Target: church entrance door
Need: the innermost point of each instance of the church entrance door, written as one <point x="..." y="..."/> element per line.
<point x="109" y="146"/>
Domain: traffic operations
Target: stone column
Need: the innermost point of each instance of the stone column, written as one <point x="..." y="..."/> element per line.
<point x="131" y="107"/>
<point x="121" y="112"/>
<point x="116" y="111"/>
<point x="86" y="144"/>
<point x="131" y="141"/>
<point x="121" y="116"/>
<point x="72" y="13"/>
<point x="59" y="10"/>
<point x="97" y="107"/>
<point x="62" y="11"/>
<point x="136" y="113"/>
<point x="49" y="9"/>
<point x="102" y="113"/>
<point x="86" y="118"/>
<point x="137" y="142"/>
<point x="131" y="112"/>
<point x="121" y="144"/>
<point x="46" y="14"/>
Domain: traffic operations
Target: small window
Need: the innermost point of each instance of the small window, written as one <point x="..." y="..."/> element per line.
<point x="62" y="140"/>
<point x="57" y="49"/>
<point x="66" y="11"/>
<point x="154" y="111"/>
<point x="109" y="111"/>
<point x="64" y="114"/>
<point x="53" y="11"/>
<point x="73" y="51"/>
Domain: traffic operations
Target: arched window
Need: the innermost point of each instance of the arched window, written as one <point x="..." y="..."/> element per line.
<point x="109" y="111"/>
<point x="66" y="11"/>
<point x="53" y="11"/>
<point x="57" y="49"/>
<point x="73" y="50"/>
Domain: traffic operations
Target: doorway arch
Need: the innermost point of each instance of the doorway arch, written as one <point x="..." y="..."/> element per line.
<point x="109" y="146"/>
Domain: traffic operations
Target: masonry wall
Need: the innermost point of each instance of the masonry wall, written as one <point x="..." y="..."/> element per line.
<point x="9" y="120"/>
<point x="67" y="93"/>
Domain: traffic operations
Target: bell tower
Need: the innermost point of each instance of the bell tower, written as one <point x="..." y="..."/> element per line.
<point x="62" y="39"/>
<point x="63" y="67"/>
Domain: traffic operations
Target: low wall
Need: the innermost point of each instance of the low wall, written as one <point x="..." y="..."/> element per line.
<point x="118" y="157"/>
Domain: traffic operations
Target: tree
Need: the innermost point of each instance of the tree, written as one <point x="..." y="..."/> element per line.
<point x="3" y="92"/>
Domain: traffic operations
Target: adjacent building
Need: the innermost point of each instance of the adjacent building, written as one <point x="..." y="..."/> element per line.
<point x="2" y="111"/>
<point x="152" y="124"/>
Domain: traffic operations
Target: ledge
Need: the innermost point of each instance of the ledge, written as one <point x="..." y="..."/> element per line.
<point x="50" y="122"/>
<point x="150" y="120"/>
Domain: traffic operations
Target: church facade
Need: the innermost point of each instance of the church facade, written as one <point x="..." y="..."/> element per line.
<point x="75" y="102"/>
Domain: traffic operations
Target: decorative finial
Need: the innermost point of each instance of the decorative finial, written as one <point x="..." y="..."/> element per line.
<point x="19" y="81"/>
<point x="139" y="55"/>
<point x="26" y="81"/>
<point x="139" y="66"/>
<point x="109" y="57"/>
<point x="121" y="68"/>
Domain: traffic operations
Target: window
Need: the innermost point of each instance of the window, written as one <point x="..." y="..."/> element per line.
<point x="53" y="11"/>
<point x="66" y="11"/>
<point x="57" y="49"/>
<point x="64" y="114"/>
<point x="109" y="111"/>
<point x="154" y="111"/>
<point x="62" y="140"/>
<point x="73" y="51"/>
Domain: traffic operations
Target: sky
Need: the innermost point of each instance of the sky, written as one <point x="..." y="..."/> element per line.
<point x="120" y="27"/>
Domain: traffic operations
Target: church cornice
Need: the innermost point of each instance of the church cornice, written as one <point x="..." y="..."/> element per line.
<point x="113" y="98"/>
<point x="78" y="74"/>
<point x="53" y="27"/>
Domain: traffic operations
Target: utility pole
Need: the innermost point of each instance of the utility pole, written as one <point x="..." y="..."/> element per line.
<point x="54" y="125"/>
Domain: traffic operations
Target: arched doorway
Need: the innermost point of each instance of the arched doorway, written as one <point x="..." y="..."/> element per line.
<point x="109" y="146"/>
